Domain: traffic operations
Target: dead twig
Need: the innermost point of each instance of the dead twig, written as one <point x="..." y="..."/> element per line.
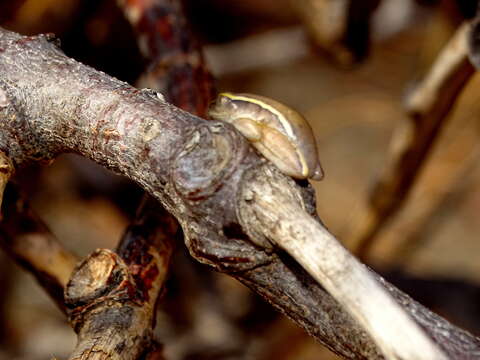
<point x="326" y="20"/>
<point x="28" y="241"/>
<point x="474" y="42"/>
<point x="428" y="106"/>
<point x="284" y="222"/>
<point x="443" y="178"/>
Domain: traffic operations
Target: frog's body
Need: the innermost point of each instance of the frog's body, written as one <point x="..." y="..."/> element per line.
<point x="278" y="132"/>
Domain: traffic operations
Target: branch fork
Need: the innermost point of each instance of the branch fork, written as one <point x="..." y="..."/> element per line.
<point x="234" y="208"/>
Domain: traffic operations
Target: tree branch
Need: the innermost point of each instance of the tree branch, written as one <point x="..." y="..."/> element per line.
<point x="27" y="240"/>
<point x="111" y="297"/>
<point x="428" y="106"/>
<point x="177" y="68"/>
<point x="25" y="237"/>
<point x="195" y="168"/>
<point x="349" y="282"/>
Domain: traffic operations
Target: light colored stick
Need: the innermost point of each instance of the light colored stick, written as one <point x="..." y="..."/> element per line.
<point x="29" y="242"/>
<point x="428" y="106"/>
<point x="452" y="60"/>
<point x="288" y="225"/>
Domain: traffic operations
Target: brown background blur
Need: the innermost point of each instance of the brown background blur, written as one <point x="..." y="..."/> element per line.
<point x="430" y="250"/>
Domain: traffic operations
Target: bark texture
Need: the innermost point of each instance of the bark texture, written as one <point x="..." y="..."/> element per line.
<point x="53" y="104"/>
<point x="111" y="297"/>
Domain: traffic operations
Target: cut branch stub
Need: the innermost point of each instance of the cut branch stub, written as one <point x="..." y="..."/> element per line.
<point x="111" y="304"/>
<point x="111" y="298"/>
<point x="100" y="276"/>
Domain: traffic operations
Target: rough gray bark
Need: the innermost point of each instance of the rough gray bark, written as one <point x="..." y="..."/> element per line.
<point x="111" y="297"/>
<point x="50" y="104"/>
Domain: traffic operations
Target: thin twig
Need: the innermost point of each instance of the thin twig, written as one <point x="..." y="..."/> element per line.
<point x="443" y="178"/>
<point x="444" y="204"/>
<point x="326" y="20"/>
<point x="428" y="106"/>
<point x="474" y="42"/>
<point x="27" y="240"/>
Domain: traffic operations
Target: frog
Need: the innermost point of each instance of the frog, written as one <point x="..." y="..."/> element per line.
<point x="278" y="132"/>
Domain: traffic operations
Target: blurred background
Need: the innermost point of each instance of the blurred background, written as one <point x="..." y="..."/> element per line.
<point x="351" y="89"/>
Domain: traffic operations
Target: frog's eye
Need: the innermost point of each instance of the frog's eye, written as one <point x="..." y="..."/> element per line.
<point x="223" y="100"/>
